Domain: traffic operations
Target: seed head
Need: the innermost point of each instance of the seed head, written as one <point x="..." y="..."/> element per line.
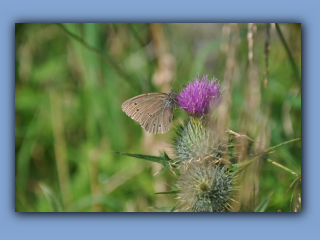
<point x="205" y="187"/>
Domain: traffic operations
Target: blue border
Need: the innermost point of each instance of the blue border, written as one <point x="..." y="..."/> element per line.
<point x="158" y="226"/>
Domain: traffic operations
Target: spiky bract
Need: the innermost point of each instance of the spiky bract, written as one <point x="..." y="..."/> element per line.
<point x="199" y="138"/>
<point x="205" y="187"/>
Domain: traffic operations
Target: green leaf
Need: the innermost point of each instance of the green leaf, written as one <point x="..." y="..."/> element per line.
<point x="264" y="204"/>
<point x="166" y="209"/>
<point x="55" y="205"/>
<point x="165" y="156"/>
<point x="162" y="159"/>
<point x="169" y="192"/>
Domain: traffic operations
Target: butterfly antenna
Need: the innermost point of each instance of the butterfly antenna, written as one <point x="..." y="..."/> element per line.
<point x="173" y="82"/>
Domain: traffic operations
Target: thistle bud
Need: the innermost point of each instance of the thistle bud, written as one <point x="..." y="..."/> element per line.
<point x="200" y="138"/>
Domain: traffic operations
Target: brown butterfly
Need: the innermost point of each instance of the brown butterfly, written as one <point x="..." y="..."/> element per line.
<point x="154" y="111"/>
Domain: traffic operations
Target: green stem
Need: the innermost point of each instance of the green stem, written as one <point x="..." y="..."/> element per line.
<point x="293" y="63"/>
<point x="120" y="71"/>
<point x="296" y="139"/>
<point x="283" y="167"/>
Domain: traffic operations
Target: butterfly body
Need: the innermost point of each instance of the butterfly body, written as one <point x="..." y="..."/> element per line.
<point x="154" y="111"/>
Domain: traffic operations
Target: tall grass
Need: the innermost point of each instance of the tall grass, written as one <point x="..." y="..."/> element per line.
<point x="71" y="80"/>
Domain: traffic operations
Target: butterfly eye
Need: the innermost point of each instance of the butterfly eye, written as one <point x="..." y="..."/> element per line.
<point x="135" y="103"/>
<point x="154" y="124"/>
<point x="159" y="125"/>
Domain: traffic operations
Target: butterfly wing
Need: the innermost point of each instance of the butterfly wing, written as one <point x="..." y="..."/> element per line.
<point x="135" y="107"/>
<point x="160" y="119"/>
<point x="153" y="110"/>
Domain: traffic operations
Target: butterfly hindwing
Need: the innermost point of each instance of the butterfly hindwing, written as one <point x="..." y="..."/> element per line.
<point x="159" y="121"/>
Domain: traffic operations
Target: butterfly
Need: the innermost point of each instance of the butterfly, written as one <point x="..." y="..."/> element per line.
<point x="154" y="111"/>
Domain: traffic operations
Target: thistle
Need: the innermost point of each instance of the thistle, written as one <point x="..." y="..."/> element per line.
<point x="205" y="187"/>
<point x="200" y="96"/>
<point x="207" y="162"/>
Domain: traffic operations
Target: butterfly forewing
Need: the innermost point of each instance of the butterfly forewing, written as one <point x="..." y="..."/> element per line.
<point x="154" y="111"/>
<point x="138" y="104"/>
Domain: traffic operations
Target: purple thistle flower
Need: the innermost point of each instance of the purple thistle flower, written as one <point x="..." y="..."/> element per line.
<point x="200" y="95"/>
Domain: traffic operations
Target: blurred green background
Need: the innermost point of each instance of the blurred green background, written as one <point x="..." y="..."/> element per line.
<point x="70" y="82"/>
